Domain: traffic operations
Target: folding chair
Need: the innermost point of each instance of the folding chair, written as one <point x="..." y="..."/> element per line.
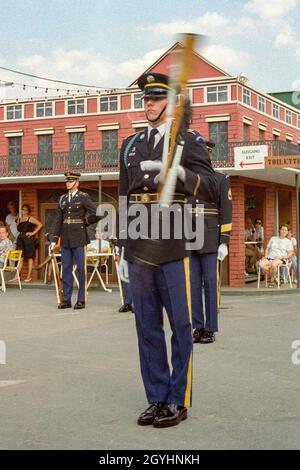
<point x="14" y="256"/>
<point x="280" y="266"/>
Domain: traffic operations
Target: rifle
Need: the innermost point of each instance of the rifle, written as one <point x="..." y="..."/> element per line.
<point x="176" y="132"/>
<point x="57" y="279"/>
<point x="150" y="251"/>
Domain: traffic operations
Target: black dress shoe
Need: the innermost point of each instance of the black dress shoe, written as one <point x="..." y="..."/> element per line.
<point x="207" y="337"/>
<point x="125" y="308"/>
<point x="147" y="417"/>
<point x="198" y="332"/>
<point x="79" y="305"/>
<point x="170" y="415"/>
<point x="65" y="304"/>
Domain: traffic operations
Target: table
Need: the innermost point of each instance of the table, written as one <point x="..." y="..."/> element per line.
<point x="91" y="255"/>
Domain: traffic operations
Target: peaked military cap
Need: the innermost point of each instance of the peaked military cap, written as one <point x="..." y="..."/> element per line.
<point x="154" y="84"/>
<point x="70" y="176"/>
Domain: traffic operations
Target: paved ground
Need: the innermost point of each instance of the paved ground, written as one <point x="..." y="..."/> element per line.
<point x="80" y="386"/>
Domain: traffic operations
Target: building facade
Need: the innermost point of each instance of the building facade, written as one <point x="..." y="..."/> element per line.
<point x="41" y="139"/>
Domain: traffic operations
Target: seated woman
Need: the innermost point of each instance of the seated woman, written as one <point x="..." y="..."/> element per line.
<point x="279" y="250"/>
<point x="5" y="245"/>
<point x="28" y="227"/>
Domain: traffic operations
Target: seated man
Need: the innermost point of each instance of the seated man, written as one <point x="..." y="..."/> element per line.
<point x="5" y="245"/>
<point x="279" y="250"/>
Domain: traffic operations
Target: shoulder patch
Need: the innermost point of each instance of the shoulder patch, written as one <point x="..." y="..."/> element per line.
<point x="82" y="193"/>
<point x="198" y="137"/>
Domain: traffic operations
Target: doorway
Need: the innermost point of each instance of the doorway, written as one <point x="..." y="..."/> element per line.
<point x="5" y="197"/>
<point x="48" y="211"/>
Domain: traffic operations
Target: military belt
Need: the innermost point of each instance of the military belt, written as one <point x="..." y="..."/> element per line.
<point x="152" y="198"/>
<point x="73" y="221"/>
<point x="205" y="211"/>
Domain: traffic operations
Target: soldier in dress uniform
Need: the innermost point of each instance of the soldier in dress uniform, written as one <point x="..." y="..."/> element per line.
<point x="164" y="283"/>
<point x="218" y="223"/>
<point x="71" y="226"/>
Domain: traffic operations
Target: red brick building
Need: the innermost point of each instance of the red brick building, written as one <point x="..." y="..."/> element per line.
<point x="41" y="139"/>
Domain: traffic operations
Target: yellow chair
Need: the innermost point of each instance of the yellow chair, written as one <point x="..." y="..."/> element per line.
<point x="14" y="256"/>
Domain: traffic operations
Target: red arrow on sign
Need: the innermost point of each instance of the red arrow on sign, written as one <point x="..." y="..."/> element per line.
<point x="242" y="164"/>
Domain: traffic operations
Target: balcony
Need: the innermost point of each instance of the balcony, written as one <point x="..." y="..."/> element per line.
<point x="89" y="161"/>
<point x="100" y="161"/>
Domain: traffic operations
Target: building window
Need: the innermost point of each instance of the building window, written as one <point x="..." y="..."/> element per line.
<point x="108" y="103"/>
<point x="261" y="104"/>
<point x="44" y="109"/>
<point x="298" y="121"/>
<point x="218" y="133"/>
<point x="246" y="96"/>
<point x="77" y="149"/>
<point x="215" y="94"/>
<point x="75" y="106"/>
<point x="45" y="152"/>
<point x="246" y="129"/>
<point x="110" y="148"/>
<point x="262" y="135"/>
<point x="288" y="116"/>
<point x="14" y="112"/>
<point x="275" y="111"/>
<point x="14" y="153"/>
<point x="137" y="101"/>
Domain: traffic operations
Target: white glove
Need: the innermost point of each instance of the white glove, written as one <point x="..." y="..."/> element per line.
<point x="151" y="165"/>
<point x="123" y="268"/>
<point x="222" y="251"/>
<point x="180" y="175"/>
<point x="51" y="247"/>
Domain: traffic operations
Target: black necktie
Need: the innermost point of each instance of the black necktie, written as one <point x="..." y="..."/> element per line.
<point x="150" y="144"/>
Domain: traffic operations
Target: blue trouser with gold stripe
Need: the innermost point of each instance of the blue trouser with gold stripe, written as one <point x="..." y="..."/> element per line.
<point x="155" y="287"/>
<point x="67" y="259"/>
<point x="204" y="274"/>
<point x="127" y="293"/>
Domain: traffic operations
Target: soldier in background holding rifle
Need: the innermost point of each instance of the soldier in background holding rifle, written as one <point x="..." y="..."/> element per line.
<point x="159" y="270"/>
<point x="71" y="227"/>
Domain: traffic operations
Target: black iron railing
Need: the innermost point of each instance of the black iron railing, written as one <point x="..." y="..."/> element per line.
<point x="96" y="161"/>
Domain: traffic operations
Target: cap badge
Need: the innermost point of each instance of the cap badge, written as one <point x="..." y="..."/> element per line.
<point x="150" y="79"/>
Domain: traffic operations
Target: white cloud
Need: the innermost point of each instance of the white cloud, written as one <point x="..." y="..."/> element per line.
<point x="83" y="66"/>
<point x="271" y="9"/>
<point x="227" y="57"/>
<point x="210" y="23"/>
<point x="286" y="37"/>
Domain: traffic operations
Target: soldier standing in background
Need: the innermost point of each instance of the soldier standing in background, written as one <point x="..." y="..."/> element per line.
<point x="71" y="225"/>
<point x="204" y="264"/>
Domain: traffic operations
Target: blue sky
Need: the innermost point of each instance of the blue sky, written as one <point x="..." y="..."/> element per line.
<point x="110" y="42"/>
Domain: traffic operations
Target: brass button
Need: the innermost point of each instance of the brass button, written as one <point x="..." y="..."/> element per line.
<point x="145" y="198"/>
<point x="146" y="176"/>
<point x="145" y="188"/>
<point x="128" y="164"/>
